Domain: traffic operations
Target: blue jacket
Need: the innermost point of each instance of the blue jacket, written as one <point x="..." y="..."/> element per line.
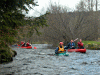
<point x="70" y="45"/>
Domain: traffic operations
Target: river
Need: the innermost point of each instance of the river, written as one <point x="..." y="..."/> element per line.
<point x="42" y="61"/>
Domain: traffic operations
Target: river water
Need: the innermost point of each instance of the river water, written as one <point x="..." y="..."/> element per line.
<point x="42" y="61"/>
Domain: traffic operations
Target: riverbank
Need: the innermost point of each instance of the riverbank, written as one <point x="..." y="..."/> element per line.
<point x="93" y="45"/>
<point x="7" y="54"/>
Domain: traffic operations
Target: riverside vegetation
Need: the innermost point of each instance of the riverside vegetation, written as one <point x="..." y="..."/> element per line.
<point x="11" y="22"/>
<point x="6" y="53"/>
<point x="93" y="45"/>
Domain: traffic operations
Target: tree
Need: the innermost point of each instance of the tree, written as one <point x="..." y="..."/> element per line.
<point x="81" y="6"/>
<point x="90" y="5"/>
<point x="87" y="21"/>
<point x="33" y="25"/>
<point x="11" y="18"/>
<point x="96" y="5"/>
<point x="64" y="26"/>
<point x="59" y="28"/>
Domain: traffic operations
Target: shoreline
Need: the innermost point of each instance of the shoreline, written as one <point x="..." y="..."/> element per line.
<point x="6" y="55"/>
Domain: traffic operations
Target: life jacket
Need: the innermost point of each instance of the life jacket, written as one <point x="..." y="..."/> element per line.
<point x="27" y="44"/>
<point x="61" y="49"/>
<point x="80" y="44"/>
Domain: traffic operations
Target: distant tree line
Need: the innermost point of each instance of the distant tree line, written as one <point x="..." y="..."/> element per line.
<point x="64" y="26"/>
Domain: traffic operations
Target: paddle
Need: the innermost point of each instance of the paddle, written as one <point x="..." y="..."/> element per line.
<point x="21" y="45"/>
<point x="76" y="39"/>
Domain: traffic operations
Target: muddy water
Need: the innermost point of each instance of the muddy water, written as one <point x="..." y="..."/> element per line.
<point x="42" y="61"/>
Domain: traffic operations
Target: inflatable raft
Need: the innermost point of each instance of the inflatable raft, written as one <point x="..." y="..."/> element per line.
<point x="27" y="47"/>
<point x="77" y="50"/>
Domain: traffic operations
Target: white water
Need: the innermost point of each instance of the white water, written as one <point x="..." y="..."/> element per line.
<point x="42" y="61"/>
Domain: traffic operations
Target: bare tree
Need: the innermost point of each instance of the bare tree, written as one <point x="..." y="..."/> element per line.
<point x="87" y="22"/>
<point x="96" y="5"/>
<point x="59" y="28"/>
<point x="90" y="5"/>
<point x="64" y="26"/>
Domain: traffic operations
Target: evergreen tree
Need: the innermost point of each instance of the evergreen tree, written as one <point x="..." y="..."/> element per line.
<point x="11" y="18"/>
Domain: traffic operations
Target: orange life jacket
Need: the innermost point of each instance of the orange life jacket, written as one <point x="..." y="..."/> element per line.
<point x="61" y="49"/>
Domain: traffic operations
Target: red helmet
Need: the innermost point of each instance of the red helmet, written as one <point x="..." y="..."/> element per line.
<point x="61" y="43"/>
<point x="22" y="42"/>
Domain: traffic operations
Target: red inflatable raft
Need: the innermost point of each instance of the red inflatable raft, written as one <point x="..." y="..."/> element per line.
<point x="77" y="50"/>
<point x="27" y="47"/>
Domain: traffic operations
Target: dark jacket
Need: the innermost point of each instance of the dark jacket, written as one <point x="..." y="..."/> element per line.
<point x="71" y="44"/>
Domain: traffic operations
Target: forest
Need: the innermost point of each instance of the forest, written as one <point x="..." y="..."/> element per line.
<point x="64" y="25"/>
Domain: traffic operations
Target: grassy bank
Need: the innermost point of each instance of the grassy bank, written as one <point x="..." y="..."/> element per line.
<point x="94" y="45"/>
<point x="6" y="53"/>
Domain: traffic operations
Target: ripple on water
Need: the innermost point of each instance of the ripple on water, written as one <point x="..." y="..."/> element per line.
<point x="42" y="61"/>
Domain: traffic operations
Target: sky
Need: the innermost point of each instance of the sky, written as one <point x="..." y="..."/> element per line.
<point x="43" y="4"/>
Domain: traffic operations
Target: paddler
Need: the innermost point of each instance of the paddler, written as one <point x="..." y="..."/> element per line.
<point x="60" y="48"/>
<point x="80" y="44"/>
<point x="28" y="44"/>
<point x="23" y="44"/>
<point x="71" y="45"/>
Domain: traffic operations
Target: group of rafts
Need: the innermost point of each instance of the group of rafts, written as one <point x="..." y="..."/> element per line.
<point x="61" y="50"/>
<point x="25" y="45"/>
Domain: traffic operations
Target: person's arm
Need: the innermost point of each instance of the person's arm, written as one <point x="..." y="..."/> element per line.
<point x="74" y="44"/>
<point x="66" y="47"/>
<point x="56" y="51"/>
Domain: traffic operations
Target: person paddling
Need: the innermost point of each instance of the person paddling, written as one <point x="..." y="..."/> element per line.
<point x="71" y="45"/>
<point x="22" y="44"/>
<point x="80" y="44"/>
<point x="28" y="44"/>
<point x="60" y="48"/>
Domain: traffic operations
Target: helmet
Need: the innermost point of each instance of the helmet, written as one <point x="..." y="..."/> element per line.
<point x="61" y="43"/>
<point x="22" y="42"/>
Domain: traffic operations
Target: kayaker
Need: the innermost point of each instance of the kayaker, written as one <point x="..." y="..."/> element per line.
<point x="60" y="48"/>
<point x="80" y="44"/>
<point x="28" y="44"/>
<point x="71" y="45"/>
<point x="23" y="44"/>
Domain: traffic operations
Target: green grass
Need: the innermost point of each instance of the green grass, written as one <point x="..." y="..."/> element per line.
<point x="91" y="42"/>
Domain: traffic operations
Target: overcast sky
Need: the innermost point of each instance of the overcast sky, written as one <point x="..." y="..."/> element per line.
<point x="43" y="4"/>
